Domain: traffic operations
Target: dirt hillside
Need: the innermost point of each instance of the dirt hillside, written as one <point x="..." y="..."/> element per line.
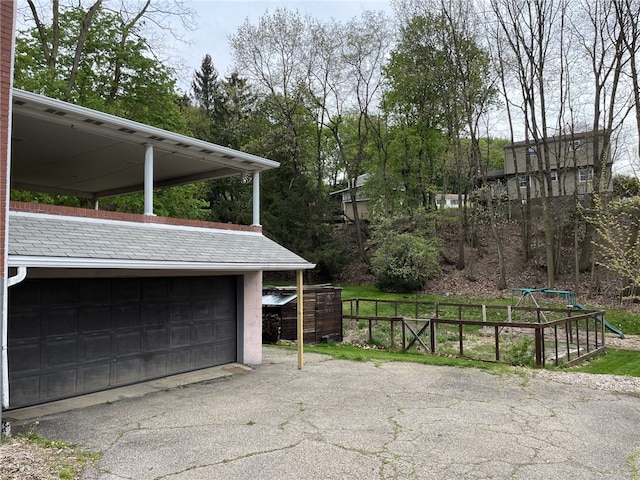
<point x="480" y="277"/>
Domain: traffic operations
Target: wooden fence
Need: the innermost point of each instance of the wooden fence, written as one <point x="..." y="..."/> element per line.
<point x="522" y="335"/>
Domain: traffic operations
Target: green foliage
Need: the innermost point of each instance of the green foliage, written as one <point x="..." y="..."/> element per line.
<point x="625" y="186"/>
<point x="48" y="199"/>
<point x="293" y="214"/>
<point x="405" y="258"/>
<point x="330" y="258"/>
<point x="520" y="352"/>
<point x="617" y="223"/>
<point x="438" y="83"/>
<point x="115" y="72"/>
<point x="183" y="201"/>
<point x="230" y="200"/>
<point x="493" y="152"/>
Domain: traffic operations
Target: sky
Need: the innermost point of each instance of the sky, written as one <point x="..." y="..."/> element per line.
<point x="217" y="19"/>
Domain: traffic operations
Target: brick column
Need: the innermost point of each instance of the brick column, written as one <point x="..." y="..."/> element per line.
<point x="7" y="28"/>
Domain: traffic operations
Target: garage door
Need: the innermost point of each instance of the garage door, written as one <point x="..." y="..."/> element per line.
<point x="73" y="336"/>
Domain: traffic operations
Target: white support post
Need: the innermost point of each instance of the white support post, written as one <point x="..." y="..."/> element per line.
<point x="256" y="199"/>
<point x="148" y="179"/>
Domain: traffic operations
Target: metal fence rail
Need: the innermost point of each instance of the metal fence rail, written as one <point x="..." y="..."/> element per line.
<point x="525" y="335"/>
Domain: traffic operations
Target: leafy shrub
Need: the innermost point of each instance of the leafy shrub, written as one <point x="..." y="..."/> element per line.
<point x="521" y="353"/>
<point x="404" y="260"/>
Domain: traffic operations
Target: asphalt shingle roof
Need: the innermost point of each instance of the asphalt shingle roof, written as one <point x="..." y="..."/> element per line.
<point x="36" y="237"/>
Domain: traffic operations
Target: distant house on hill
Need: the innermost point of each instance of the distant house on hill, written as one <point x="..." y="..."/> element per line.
<point x="449" y="200"/>
<point x="346" y="210"/>
<point x="572" y="161"/>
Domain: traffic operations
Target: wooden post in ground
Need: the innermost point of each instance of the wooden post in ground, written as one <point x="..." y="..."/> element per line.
<point x="300" y="320"/>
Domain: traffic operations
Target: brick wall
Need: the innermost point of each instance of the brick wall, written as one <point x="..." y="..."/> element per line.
<point x="6" y="72"/>
<point x="127" y="217"/>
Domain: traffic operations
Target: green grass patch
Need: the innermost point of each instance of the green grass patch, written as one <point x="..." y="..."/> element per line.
<point x="625" y="321"/>
<point x="613" y="362"/>
<point x="353" y="353"/>
<point x="628" y="322"/>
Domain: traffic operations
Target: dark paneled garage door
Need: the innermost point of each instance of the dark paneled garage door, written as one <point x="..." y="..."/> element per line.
<point x="73" y="336"/>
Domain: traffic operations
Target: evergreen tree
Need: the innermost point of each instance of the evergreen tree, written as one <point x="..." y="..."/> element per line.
<point x="205" y="86"/>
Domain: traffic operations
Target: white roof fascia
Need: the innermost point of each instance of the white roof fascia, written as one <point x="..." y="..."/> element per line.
<point x="69" y="262"/>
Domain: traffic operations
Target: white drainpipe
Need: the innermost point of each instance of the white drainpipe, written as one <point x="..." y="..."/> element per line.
<point x="20" y="276"/>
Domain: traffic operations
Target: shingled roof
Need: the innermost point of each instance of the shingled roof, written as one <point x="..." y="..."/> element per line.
<point x="37" y="240"/>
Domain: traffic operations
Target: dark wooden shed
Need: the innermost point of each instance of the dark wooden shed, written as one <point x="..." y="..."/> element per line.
<point x="322" y="312"/>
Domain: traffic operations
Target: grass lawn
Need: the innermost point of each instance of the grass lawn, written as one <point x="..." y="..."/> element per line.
<point x="614" y="361"/>
<point x="627" y="322"/>
<point x="358" y="354"/>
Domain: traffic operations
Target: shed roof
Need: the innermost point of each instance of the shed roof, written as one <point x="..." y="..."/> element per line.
<point x="50" y="241"/>
<point x="274" y="300"/>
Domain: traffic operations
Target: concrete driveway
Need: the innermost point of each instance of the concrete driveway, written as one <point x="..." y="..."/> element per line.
<point x="346" y="420"/>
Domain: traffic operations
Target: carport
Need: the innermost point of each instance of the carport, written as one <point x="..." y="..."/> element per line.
<point x="100" y="299"/>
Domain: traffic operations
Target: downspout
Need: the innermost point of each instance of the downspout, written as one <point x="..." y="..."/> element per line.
<point x="8" y="14"/>
<point x="19" y="277"/>
<point x="256" y="199"/>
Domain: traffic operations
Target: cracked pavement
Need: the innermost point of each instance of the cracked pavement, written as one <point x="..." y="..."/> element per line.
<point x="337" y="419"/>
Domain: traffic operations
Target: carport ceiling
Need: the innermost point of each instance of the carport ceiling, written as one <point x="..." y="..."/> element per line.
<point x="65" y="149"/>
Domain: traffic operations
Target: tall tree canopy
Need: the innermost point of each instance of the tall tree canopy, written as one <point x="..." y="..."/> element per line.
<point x="96" y="57"/>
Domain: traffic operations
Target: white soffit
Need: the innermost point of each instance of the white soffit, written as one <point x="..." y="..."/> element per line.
<point x="58" y="147"/>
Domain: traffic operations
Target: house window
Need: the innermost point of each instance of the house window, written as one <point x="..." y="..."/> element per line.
<point x="575" y="145"/>
<point x="522" y="181"/>
<point x="454" y="202"/>
<point x="532" y="151"/>
<point x="554" y="175"/>
<point x="585" y="174"/>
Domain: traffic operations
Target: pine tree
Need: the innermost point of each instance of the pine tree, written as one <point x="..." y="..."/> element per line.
<point x="205" y="86"/>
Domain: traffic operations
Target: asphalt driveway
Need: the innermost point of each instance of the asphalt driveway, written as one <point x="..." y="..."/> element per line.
<point x="336" y="419"/>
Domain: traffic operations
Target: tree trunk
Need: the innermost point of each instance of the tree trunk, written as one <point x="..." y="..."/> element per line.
<point x="356" y="222"/>
<point x="549" y="240"/>
<point x="460" y="264"/>
<point x="82" y="38"/>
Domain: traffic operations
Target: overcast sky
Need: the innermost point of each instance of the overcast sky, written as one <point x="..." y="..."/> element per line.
<point x="217" y="19"/>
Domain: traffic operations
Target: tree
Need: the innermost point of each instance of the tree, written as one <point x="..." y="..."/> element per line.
<point x="205" y="86"/>
<point x="440" y="83"/>
<point x="617" y="224"/>
<point x="415" y="76"/>
<point x="533" y="32"/>
<point x="276" y="56"/>
<point x="360" y="57"/>
<point x="605" y="36"/>
<point x="97" y="59"/>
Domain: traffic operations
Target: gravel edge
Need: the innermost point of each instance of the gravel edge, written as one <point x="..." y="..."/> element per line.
<point x="612" y="383"/>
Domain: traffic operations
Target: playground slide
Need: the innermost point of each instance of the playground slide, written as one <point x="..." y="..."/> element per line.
<point x="607" y="325"/>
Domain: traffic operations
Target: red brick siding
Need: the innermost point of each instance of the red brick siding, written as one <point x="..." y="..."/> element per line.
<point x="6" y="56"/>
<point x="127" y="217"/>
